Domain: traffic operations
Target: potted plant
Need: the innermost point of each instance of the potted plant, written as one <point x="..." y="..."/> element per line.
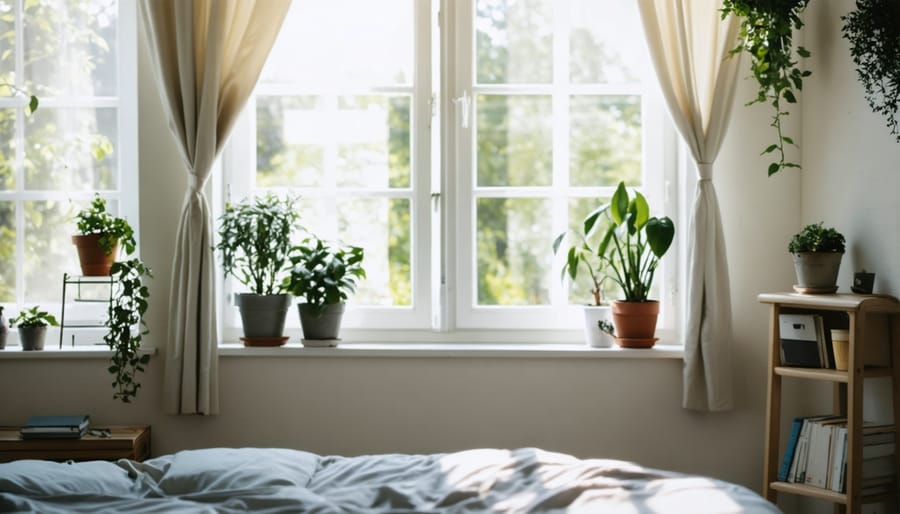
<point x="125" y="321"/>
<point x="817" y="253"/>
<point x="766" y="35"/>
<point x="323" y="275"/>
<point x="99" y="236"/>
<point x="582" y="255"/>
<point x="632" y="246"/>
<point x="32" y="324"/>
<point x="254" y="241"/>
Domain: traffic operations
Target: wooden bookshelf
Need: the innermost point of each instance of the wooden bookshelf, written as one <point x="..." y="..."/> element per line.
<point x="873" y="319"/>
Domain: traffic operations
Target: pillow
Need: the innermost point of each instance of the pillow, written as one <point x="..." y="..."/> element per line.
<point x="44" y="478"/>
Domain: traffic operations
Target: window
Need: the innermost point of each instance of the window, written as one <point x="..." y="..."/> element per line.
<point x="78" y="58"/>
<point x="453" y="140"/>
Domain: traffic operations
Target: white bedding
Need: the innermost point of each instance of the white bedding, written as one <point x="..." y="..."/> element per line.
<point x="264" y="480"/>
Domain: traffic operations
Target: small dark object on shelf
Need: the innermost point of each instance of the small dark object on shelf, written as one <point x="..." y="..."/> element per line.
<point x="863" y="282"/>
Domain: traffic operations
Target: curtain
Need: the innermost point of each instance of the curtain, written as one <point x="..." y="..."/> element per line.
<point x="207" y="56"/>
<point x="689" y="45"/>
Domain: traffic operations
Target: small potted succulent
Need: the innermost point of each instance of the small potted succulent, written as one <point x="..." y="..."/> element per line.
<point x="32" y="324"/>
<point x="817" y="253"/>
<point x="100" y="234"/>
<point x="254" y="242"/>
<point x="632" y="246"/>
<point x="582" y="255"/>
<point x="323" y="275"/>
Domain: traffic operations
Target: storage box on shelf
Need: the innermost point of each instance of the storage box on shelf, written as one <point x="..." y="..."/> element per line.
<point x="873" y="322"/>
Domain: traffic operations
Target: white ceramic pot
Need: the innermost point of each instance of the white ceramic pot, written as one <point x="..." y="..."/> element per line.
<point x="595" y="337"/>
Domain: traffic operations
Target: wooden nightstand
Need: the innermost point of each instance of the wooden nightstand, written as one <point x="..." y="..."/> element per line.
<point x="126" y="442"/>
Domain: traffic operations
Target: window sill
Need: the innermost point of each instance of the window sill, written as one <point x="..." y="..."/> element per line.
<point x="459" y="350"/>
<point x="66" y="352"/>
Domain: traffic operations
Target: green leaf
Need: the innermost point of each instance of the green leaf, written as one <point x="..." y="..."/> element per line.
<point x="619" y="204"/>
<point x="773" y="168"/>
<point x="769" y="149"/>
<point x="660" y="233"/>
<point x="32" y="104"/>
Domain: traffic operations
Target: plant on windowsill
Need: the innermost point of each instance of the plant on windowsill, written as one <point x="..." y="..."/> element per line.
<point x="582" y="255"/>
<point x="32" y="324"/>
<point x="323" y="275"/>
<point x="817" y="253"/>
<point x="632" y="246"/>
<point x="873" y="30"/>
<point x="254" y="241"/>
<point x="766" y="35"/>
<point x="125" y="322"/>
<point x="99" y="236"/>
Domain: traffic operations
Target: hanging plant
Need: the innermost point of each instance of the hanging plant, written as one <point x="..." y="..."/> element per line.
<point x="766" y="35"/>
<point x="873" y="30"/>
<point x="126" y="326"/>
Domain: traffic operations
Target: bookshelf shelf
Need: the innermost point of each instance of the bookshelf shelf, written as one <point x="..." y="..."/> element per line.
<point x="874" y="351"/>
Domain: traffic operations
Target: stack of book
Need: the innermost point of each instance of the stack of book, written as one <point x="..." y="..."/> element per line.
<point x="804" y="341"/>
<point x="55" y="427"/>
<point x="816" y="455"/>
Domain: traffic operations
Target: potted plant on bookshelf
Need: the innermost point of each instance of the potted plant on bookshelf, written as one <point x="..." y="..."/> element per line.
<point x="817" y="253"/>
<point x="32" y="324"/>
<point x="99" y="236"/>
<point x="323" y="275"/>
<point x="583" y="255"/>
<point x="632" y="245"/>
<point x="254" y="241"/>
<point x="125" y="321"/>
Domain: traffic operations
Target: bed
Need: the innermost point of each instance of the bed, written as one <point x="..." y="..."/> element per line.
<point x="269" y="480"/>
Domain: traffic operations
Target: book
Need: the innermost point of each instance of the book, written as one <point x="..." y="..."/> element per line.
<point x="820" y="450"/>
<point x="790" y="449"/>
<point x="802" y="340"/>
<point x="839" y="457"/>
<point x="55" y="427"/>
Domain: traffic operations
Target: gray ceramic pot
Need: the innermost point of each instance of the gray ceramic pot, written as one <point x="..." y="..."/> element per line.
<point x="32" y="338"/>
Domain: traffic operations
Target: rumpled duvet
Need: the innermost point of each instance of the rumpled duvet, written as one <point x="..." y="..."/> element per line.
<point x="268" y="480"/>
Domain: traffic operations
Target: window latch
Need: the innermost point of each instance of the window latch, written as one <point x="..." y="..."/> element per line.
<point x="463" y="107"/>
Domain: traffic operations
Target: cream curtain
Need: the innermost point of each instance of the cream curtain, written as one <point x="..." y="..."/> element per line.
<point x="689" y="44"/>
<point x="207" y="57"/>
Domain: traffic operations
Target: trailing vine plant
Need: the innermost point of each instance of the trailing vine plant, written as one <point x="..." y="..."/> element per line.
<point x="126" y="326"/>
<point x="766" y="35"/>
<point x="873" y="31"/>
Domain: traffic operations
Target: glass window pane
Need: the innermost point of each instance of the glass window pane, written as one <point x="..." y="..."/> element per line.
<point x="605" y="140"/>
<point x="580" y="290"/>
<point x="371" y="134"/>
<point x="606" y="43"/>
<point x="7" y="149"/>
<point x="289" y="151"/>
<point x="7" y="252"/>
<point x="372" y="44"/>
<point x="7" y="46"/>
<point x="382" y="227"/>
<point x="514" y="252"/>
<point x="71" y="149"/>
<point x="514" y="41"/>
<point x="48" y="248"/>
<point x="515" y="140"/>
<point x="66" y="38"/>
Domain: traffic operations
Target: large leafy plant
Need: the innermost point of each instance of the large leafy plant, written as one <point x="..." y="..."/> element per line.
<point x="324" y="273"/>
<point x="95" y="219"/>
<point x="817" y="238"/>
<point x="766" y="36"/>
<point x="633" y="242"/>
<point x="255" y="239"/>
<point x="125" y="322"/>
<point x="873" y="31"/>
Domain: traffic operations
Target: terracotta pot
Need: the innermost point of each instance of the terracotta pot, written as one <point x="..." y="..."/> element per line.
<point x="94" y="262"/>
<point x="635" y="323"/>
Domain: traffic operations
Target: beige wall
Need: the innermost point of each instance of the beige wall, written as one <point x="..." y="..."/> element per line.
<point x="628" y="409"/>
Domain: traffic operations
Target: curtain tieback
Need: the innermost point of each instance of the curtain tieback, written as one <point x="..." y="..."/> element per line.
<point x="705" y="169"/>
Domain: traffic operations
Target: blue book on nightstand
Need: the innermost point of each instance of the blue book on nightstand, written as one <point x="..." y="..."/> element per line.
<point x="55" y="427"/>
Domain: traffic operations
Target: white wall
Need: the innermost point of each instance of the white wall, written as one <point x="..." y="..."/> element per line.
<point x="628" y="409"/>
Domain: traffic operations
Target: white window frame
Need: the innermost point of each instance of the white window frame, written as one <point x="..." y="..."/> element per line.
<point x="126" y="154"/>
<point x="441" y="208"/>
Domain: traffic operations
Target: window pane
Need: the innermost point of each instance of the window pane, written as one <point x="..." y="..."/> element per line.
<point x="372" y="44"/>
<point x="514" y="41"/>
<point x="56" y="65"/>
<point x="606" y="44"/>
<point x="605" y="140"/>
<point x="515" y="140"/>
<point x="372" y="138"/>
<point x="514" y="251"/>
<point x="48" y="248"/>
<point x="7" y="46"/>
<point x="580" y="290"/>
<point x="7" y="252"/>
<point x="387" y="247"/>
<point x="288" y="152"/>
<point x="7" y="149"/>
<point x="63" y="149"/>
